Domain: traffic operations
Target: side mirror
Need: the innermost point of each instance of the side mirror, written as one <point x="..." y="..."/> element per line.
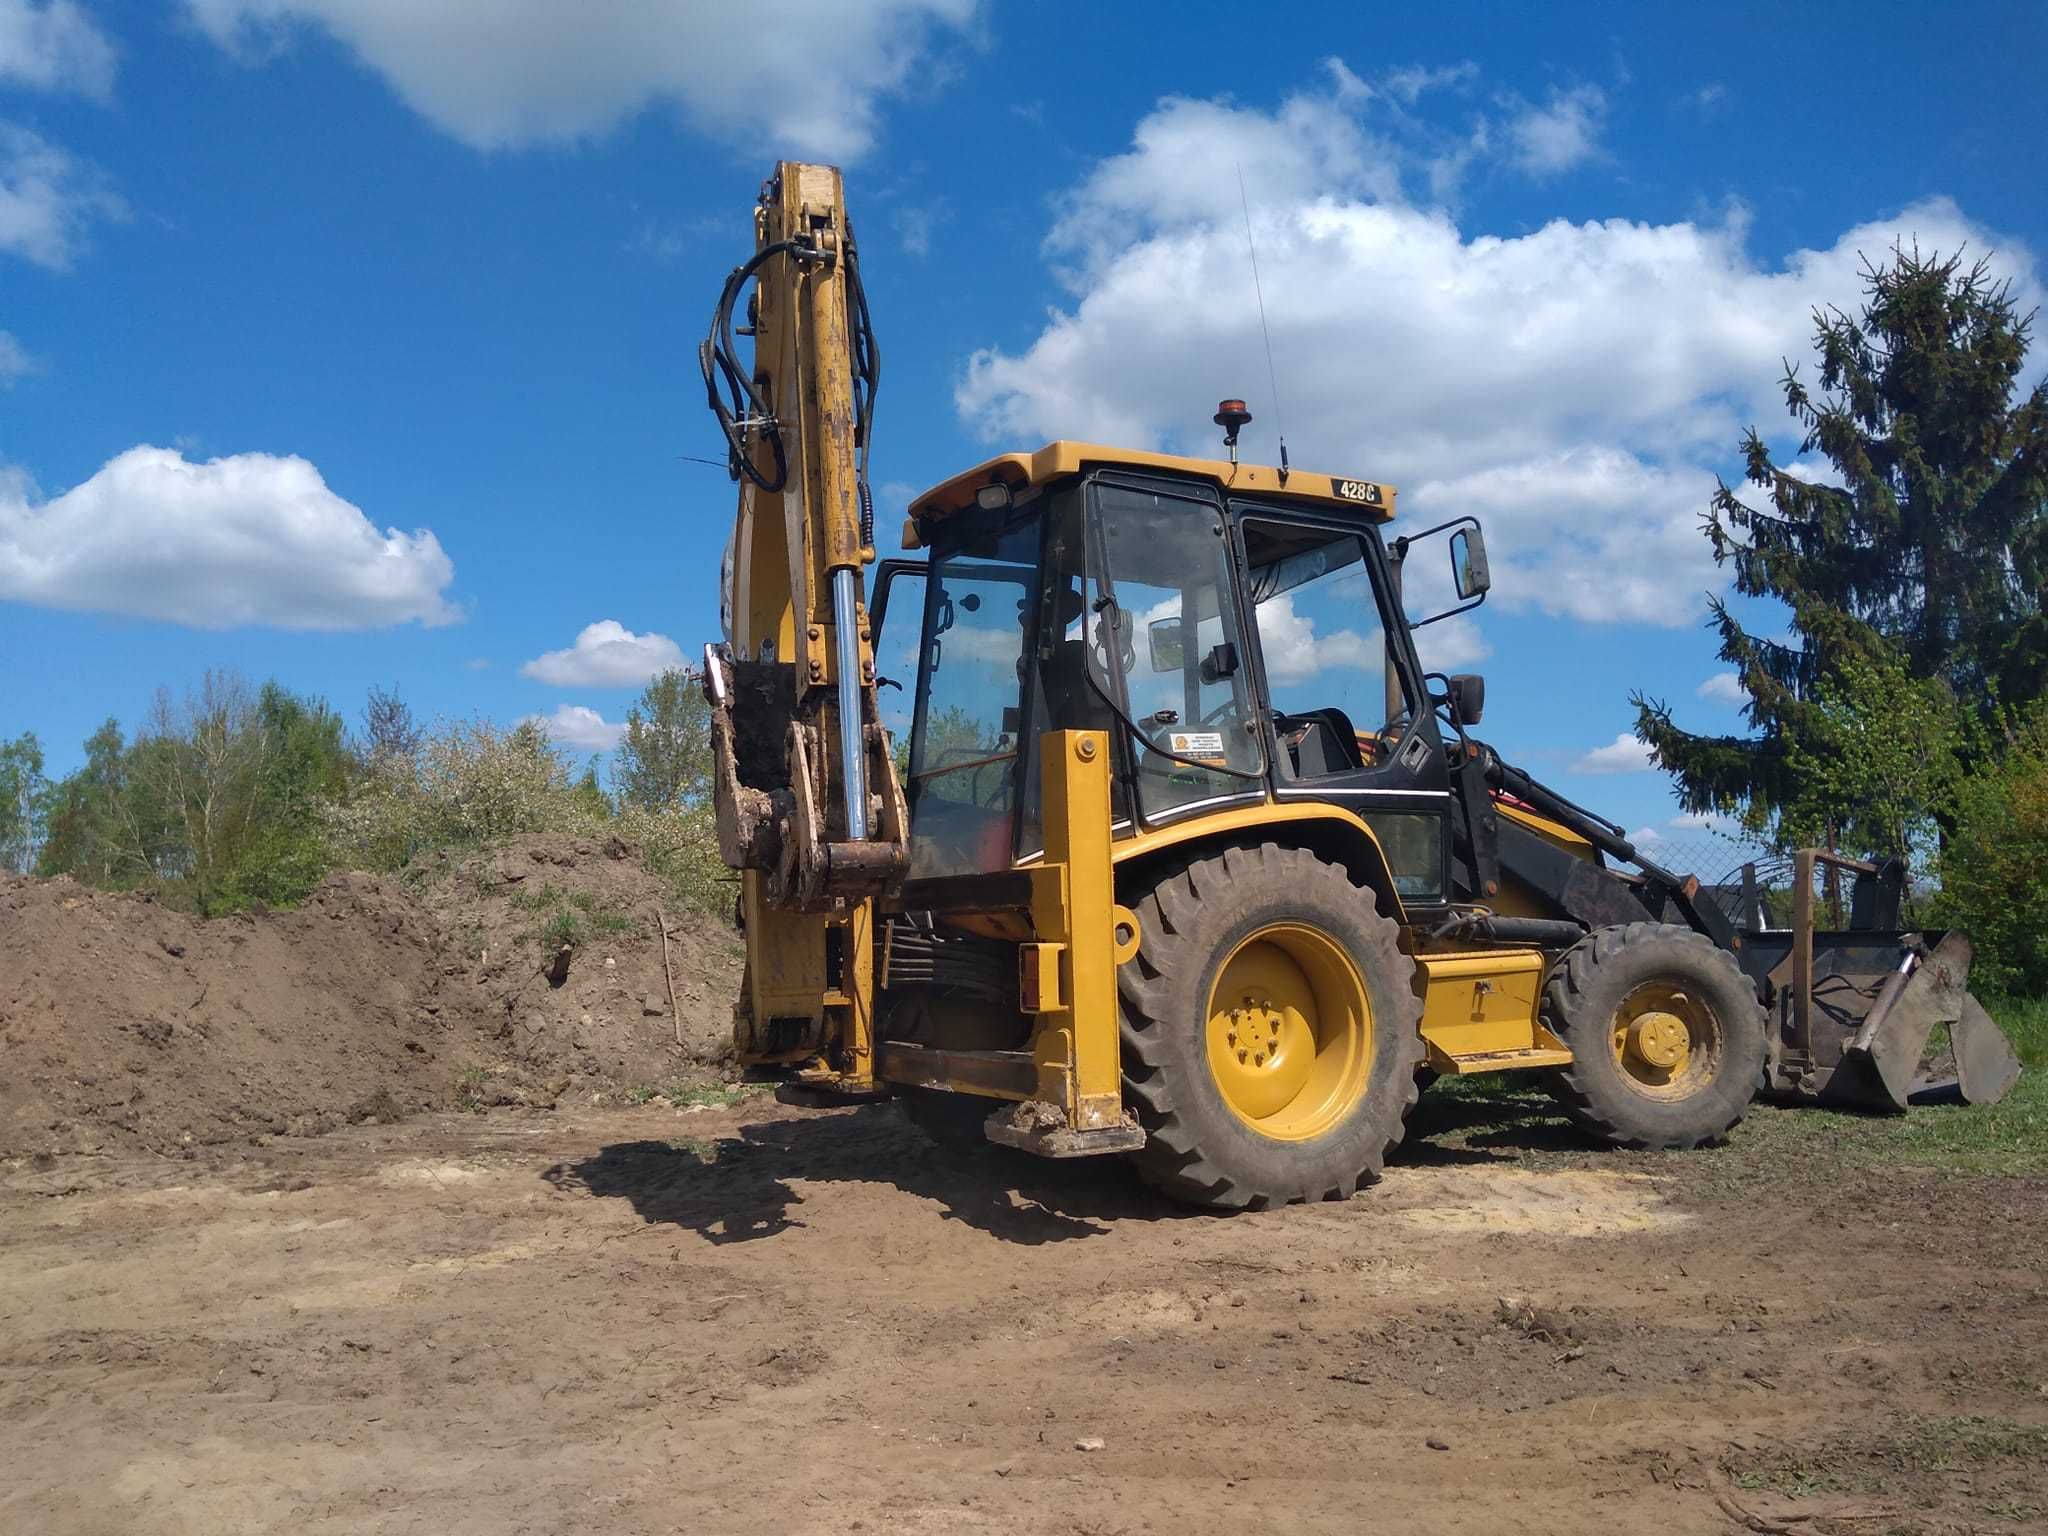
<point x="1468" y="691"/>
<point x="1221" y="662"/>
<point x="1468" y="567"/>
<point x="1168" y="642"/>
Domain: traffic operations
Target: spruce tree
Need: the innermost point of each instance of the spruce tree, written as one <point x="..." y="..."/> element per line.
<point x="1929" y="554"/>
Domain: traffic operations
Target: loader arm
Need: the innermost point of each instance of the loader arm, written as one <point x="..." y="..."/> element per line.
<point x="809" y="808"/>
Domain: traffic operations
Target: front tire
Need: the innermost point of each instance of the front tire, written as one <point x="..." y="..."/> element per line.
<point x="1271" y="1031"/>
<point x="1666" y="1033"/>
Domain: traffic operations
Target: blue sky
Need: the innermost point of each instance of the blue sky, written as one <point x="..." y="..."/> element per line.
<point x="353" y="343"/>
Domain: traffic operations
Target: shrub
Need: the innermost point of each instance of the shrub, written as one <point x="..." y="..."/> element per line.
<point x="470" y="782"/>
<point x="1994" y="871"/>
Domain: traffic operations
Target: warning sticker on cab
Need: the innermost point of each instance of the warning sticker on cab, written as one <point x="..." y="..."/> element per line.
<point x="1196" y="743"/>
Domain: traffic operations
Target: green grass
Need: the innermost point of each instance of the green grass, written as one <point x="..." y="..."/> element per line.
<point x="695" y="1095"/>
<point x="715" y="1095"/>
<point x="2005" y="1138"/>
<point x="469" y="1089"/>
<point x="1917" y="1446"/>
<point x="1950" y="1444"/>
<point x="574" y="917"/>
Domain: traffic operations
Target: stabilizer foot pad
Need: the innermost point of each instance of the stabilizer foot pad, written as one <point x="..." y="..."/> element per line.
<point x="1041" y="1129"/>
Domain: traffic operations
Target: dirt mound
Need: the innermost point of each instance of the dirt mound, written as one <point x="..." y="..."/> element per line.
<point x="603" y="1008"/>
<point x="123" y="1022"/>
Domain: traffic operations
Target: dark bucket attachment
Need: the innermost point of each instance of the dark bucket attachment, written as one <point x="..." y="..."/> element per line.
<point x="1857" y="1008"/>
<point x="1879" y="1065"/>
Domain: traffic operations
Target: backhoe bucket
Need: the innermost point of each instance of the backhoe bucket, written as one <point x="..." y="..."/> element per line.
<point x="1856" y="1009"/>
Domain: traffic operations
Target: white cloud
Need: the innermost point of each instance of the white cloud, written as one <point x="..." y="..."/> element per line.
<point x="914" y="228"/>
<point x="14" y="360"/>
<point x="1646" y="835"/>
<point x="1708" y="821"/>
<point x="606" y="655"/>
<point x="49" y="199"/>
<point x="1589" y="533"/>
<point x="1450" y="645"/>
<point x="1407" y="85"/>
<point x="1624" y="754"/>
<point x="1724" y="688"/>
<point x="1562" y="133"/>
<point x="1294" y="652"/>
<point x="1577" y="384"/>
<point x="54" y="47"/>
<point x="1813" y="470"/>
<point x="579" y="727"/>
<point x="248" y="539"/>
<point x="800" y="75"/>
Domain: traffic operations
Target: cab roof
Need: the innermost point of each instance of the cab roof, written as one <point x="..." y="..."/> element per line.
<point x="1372" y="500"/>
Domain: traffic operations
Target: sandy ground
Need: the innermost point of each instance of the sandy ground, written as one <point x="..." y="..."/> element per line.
<point x="761" y="1318"/>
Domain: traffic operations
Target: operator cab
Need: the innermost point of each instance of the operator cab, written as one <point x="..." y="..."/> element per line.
<point x="1238" y="635"/>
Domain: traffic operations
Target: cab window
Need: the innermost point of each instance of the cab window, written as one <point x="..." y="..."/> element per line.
<point x="1338" y="704"/>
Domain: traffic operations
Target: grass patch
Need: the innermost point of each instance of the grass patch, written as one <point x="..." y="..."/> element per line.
<point x="714" y="1095"/>
<point x="2008" y="1138"/>
<point x="696" y="1095"/>
<point x="1950" y="1444"/>
<point x="574" y="917"/>
<point x="1917" y="1447"/>
<point x="469" y="1090"/>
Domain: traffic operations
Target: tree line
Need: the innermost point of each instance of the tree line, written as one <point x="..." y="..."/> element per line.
<point x="230" y="796"/>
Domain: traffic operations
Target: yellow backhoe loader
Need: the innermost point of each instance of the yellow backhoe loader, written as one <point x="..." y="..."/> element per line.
<point x="1189" y="859"/>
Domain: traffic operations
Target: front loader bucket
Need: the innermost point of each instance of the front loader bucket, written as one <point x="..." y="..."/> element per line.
<point x="1879" y="1066"/>
<point x="1855" y="1009"/>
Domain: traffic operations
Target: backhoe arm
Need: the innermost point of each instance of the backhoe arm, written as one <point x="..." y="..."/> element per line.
<point x="808" y="802"/>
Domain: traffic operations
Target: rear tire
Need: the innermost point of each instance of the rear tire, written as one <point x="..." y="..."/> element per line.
<point x="1666" y="1033"/>
<point x="1270" y="1029"/>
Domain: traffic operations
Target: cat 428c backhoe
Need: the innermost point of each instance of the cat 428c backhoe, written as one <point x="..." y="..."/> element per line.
<point x="1189" y="859"/>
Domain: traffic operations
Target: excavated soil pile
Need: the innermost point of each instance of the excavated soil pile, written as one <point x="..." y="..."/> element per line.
<point x="123" y="1023"/>
<point x="602" y="1010"/>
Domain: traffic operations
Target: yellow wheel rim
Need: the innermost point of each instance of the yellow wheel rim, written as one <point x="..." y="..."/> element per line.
<point x="1666" y="1041"/>
<point x="1290" y="1040"/>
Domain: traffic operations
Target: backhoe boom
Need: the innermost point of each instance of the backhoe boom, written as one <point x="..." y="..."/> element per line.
<point x="808" y="803"/>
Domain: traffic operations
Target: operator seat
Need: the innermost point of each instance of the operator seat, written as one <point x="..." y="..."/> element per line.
<point x="1320" y="742"/>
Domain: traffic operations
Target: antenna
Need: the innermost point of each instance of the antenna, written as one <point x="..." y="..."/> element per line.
<point x="1272" y="374"/>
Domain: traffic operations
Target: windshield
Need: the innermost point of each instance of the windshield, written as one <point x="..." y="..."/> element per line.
<point x="964" y="743"/>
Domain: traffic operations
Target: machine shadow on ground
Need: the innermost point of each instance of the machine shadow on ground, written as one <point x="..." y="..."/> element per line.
<point x="1486" y="1120"/>
<point x="742" y="1187"/>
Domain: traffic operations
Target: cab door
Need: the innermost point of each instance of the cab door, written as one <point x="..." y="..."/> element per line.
<point x="898" y="585"/>
<point x="1347" y="719"/>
